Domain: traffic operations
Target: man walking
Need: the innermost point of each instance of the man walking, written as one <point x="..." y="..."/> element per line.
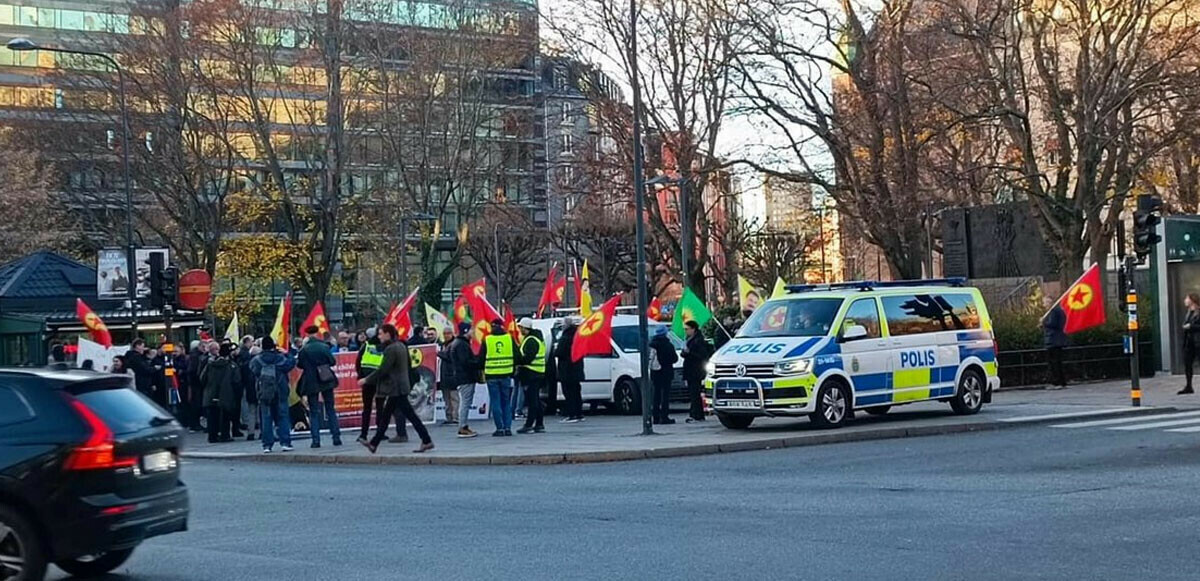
<point x="531" y="375"/>
<point x="391" y="382"/>
<point x="695" y="357"/>
<point x="662" y="372"/>
<point x="499" y="357"/>
<point x="466" y="373"/>
<point x="570" y="373"/>
<point x="270" y="372"/>
<point x="317" y="382"/>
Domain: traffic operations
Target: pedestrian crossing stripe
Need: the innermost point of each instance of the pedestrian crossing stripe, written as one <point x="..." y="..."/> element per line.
<point x="1113" y="422"/>
<point x="1181" y="422"/>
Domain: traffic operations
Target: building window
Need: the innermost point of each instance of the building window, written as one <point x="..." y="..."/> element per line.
<point x="568" y="144"/>
<point x="566" y="113"/>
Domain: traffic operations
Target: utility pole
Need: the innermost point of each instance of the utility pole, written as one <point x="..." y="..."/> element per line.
<point x="639" y="194"/>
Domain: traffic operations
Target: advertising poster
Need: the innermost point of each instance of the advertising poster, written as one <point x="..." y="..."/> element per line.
<point x="112" y="276"/>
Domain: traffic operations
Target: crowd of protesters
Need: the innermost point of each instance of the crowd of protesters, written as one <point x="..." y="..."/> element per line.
<point x="242" y="390"/>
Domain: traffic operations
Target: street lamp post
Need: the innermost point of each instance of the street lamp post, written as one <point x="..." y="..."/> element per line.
<point x="639" y="195"/>
<point x="24" y="44"/>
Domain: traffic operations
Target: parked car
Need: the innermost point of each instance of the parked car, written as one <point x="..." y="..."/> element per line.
<point x="89" y="468"/>
<point x="612" y="379"/>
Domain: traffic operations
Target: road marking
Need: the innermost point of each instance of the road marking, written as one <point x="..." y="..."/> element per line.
<point x="1158" y="425"/>
<point x="1190" y="430"/>
<point x="1069" y="415"/>
<point x="1096" y="423"/>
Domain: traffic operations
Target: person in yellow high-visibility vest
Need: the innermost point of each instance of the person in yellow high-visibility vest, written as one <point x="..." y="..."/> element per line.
<point x="498" y="360"/>
<point x="370" y="357"/>
<point x="531" y="375"/>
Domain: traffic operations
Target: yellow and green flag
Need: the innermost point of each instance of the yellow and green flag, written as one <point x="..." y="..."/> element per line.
<point x="780" y="288"/>
<point x="690" y="308"/>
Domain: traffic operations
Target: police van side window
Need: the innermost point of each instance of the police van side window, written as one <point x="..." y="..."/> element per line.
<point x="928" y="313"/>
<point x="863" y="312"/>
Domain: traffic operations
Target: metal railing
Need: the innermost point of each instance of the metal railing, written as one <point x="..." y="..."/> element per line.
<point x="1082" y="363"/>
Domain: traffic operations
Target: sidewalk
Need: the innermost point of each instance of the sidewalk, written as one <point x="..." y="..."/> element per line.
<point x="604" y="438"/>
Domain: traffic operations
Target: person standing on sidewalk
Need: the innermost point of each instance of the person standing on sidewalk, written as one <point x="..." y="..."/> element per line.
<point x="531" y="375"/>
<point x="391" y="382"/>
<point x="696" y="353"/>
<point x="370" y="356"/>
<point x="219" y="377"/>
<point x="498" y="358"/>
<point x="317" y="382"/>
<point x="1191" y="332"/>
<point x="1053" y="323"/>
<point x="449" y="380"/>
<point x="270" y="372"/>
<point x="570" y="373"/>
<point x="249" y="396"/>
<point x="466" y="373"/>
<point x="662" y="372"/>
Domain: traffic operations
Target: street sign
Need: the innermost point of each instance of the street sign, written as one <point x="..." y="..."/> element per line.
<point x="195" y="288"/>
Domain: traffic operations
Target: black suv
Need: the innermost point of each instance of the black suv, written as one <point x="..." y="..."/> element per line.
<point x="89" y="468"/>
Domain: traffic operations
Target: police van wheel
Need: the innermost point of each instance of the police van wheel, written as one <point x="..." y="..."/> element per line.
<point x="735" y="422"/>
<point x="833" y="405"/>
<point x="969" y="397"/>
<point x="878" y="410"/>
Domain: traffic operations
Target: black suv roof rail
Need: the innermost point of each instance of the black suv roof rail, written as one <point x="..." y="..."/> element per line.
<point x="866" y="285"/>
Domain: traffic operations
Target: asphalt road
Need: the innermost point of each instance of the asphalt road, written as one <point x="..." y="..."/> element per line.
<point x="1028" y="503"/>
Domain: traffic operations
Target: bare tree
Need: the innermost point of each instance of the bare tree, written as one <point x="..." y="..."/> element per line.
<point x="1079" y="88"/>
<point x="33" y="216"/>
<point x="521" y="247"/>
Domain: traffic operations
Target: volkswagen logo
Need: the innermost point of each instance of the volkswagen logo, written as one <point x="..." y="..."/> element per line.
<point x="740" y="370"/>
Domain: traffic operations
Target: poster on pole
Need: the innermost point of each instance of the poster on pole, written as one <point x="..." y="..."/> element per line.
<point x="113" y="278"/>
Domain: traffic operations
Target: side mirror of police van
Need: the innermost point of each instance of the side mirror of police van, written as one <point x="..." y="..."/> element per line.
<point x="854" y="333"/>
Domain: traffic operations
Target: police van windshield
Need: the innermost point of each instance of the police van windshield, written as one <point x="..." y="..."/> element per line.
<point x="801" y="317"/>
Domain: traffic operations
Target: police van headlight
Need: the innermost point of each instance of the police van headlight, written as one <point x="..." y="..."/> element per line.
<point x="793" y="367"/>
<point x="710" y="369"/>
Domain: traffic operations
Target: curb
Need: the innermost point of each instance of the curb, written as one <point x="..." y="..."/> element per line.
<point x="800" y="441"/>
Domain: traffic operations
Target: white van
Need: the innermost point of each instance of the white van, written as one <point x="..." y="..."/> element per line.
<point x="823" y="351"/>
<point x="612" y="380"/>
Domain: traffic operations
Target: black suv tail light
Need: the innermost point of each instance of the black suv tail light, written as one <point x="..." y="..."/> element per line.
<point x="99" y="451"/>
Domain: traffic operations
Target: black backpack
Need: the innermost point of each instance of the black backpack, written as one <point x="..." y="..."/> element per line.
<point x="266" y="385"/>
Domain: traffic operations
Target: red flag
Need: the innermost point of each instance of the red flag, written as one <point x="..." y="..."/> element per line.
<point x="482" y="312"/>
<point x="547" y="292"/>
<point x="510" y="323"/>
<point x="95" y="326"/>
<point x="401" y="309"/>
<point x="578" y="286"/>
<point x="1083" y="303"/>
<point x="462" y="312"/>
<point x="594" y="336"/>
<point x="316" y="317"/>
<point x="654" y="311"/>
<point x="560" y="291"/>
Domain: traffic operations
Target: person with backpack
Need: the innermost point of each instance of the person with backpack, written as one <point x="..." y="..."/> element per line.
<point x="269" y="370"/>
<point x="317" y="382"/>
<point x="662" y="372"/>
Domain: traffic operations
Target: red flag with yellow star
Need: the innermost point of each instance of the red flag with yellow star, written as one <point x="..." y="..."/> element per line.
<point x="594" y="336"/>
<point x="95" y="326"/>
<point x="482" y="312"/>
<point x="316" y="318"/>
<point x="1084" y="302"/>
<point x="654" y="311"/>
<point x="510" y="323"/>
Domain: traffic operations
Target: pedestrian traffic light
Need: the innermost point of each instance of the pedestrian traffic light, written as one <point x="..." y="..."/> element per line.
<point x="164" y="282"/>
<point x="1145" y="225"/>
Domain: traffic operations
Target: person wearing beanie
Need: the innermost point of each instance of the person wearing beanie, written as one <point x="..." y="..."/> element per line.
<point x="465" y="373"/>
<point x="269" y="370"/>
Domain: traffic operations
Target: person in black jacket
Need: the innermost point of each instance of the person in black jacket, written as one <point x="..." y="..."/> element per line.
<point x="695" y="358"/>
<point x="531" y="375"/>
<point x="246" y="394"/>
<point x="1191" y="331"/>
<point x="570" y="373"/>
<point x="1053" y="323"/>
<point x="465" y="373"/>
<point x="662" y="372"/>
<point x="143" y="370"/>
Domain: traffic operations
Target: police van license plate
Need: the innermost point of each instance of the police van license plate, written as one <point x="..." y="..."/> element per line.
<point x="739" y="403"/>
<point x="158" y="462"/>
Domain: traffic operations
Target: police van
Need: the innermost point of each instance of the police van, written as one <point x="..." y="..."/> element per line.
<point x="824" y="351"/>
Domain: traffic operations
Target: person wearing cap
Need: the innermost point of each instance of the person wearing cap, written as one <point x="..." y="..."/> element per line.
<point x="498" y="360"/>
<point x="531" y="375"/>
<point x="370" y="356"/>
<point x="466" y="374"/>
<point x="570" y="373"/>
<point x="662" y="371"/>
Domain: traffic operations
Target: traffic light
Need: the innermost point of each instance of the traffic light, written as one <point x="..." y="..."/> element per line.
<point x="1145" y="225"/>
<point x="164" y="282"/>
